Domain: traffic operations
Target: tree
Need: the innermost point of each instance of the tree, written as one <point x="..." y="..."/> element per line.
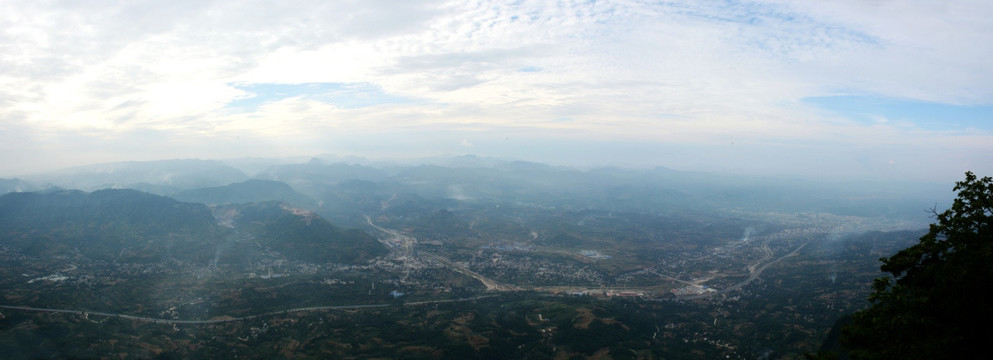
<point x="939" y="306"/>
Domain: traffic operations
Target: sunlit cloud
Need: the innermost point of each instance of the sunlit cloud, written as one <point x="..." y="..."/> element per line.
<point x="311" y="77"/>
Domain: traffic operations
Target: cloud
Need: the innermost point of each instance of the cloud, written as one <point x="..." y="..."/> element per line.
<point x="698" y="74"/>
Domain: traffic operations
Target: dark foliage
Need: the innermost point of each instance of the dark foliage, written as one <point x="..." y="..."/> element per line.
<point x="938" y="305"/>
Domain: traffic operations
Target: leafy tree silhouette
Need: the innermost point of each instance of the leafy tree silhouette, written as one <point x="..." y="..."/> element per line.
<point x="939" y="305"/>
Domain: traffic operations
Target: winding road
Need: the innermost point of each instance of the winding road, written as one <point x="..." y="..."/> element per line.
<point x="406" y="243"/>
<point x="756" y="271"/>
<point x="235" y="319"/>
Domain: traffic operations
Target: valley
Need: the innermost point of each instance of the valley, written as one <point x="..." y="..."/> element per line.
<point x="140" y="275"/>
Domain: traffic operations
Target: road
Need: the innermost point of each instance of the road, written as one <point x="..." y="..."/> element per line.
<point x="490" y="284"/>
<point x="405" y="243"/>
<point x="234" y="319"/>
<point x="396" y="240"/>
<point x="754" y="275"/>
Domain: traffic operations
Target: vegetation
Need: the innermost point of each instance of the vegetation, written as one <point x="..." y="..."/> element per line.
<point x="446" y="263"/>
<point x="122" y="225"/>
<point x="937" y="307"/>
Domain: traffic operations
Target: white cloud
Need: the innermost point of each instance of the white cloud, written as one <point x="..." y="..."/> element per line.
<point x="685" y="72"/>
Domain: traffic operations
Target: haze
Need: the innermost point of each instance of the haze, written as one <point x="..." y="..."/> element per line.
<point x="878" y="90"/>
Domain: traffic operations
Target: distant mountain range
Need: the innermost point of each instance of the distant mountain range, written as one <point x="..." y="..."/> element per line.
<point x="345" y="192"/>
<point x="157" y="177"/>
<point x="14" y="185"/>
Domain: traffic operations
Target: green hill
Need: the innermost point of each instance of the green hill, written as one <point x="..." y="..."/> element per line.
<point x="129" y="225"/>
<point x="245" y="192"/>
<point x="303" y="235"/>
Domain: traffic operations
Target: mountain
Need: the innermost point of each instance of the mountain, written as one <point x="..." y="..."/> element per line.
<point x="157" y="177"/>
<point x="129" y="225"/>
<point x="14" y="185"/>
<point x="313" y="178"/>
<point x="347" y="192"/>
<point x="301" y="234"/>
<point x="245" y="192"/>
<point x="105" y="224"/>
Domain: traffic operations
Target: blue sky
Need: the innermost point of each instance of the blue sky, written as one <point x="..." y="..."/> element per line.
<point x="912" y="113"/>
<point x="843" y="89"/>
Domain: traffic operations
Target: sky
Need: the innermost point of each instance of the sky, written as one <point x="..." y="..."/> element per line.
<point x="870" y="89"/>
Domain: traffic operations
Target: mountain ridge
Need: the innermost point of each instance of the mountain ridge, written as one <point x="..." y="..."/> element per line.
<point x="105" y="223"/>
